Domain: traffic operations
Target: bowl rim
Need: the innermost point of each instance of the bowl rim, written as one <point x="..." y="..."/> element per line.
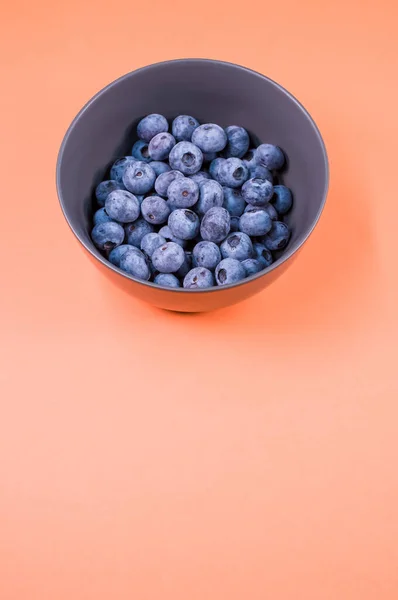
<point x="215" y="289"/>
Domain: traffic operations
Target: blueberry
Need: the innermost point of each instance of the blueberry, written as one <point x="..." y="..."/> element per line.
<point x="159" y="167"/>
<point x="197" y="278"/>
<point x="139" y="178"/>
<point x="234" y="224"/>
<point x="135" y="263"/>
<point x="168" y="258"/>
<point x="160" y="146"/>
<point x="200" y="176"/>
<point x="270" y="156"/>
<point x="215" y="224"/>
<point x="183" y="192"/>
<point x="186" y="265"/>
<point x="164" y="180"/>
<point x="107" y="236"/>
<point x="166" y="232"/>
<point x="271" y="211"/>
<point x="101" y="216"/>
<point x="136" y="231"/>
<point x="248" y="158"/>
<point x="210" y="195"/>
<point x="257" y="191"/>
<point x="140" y="151"/>
<point x="228" y="271"/>
<point x="186" y="157"/>
<point x="278" y="237"/>
<point x="262" y="254"/>
<point x="238" y="141"/>
<point x="255" y="221"/>
<point x="209" y="137"/>
<point x="252" y="266"/>
<point x="184" y="224"/>
<point x="150" y="242"/>
<point x="206" y="254"/>
<point x="183" y="127"/>
<point x="282" y="199"/>
<point x="118" y="168"/>
<point x="214" y="167"/>
<point x="237" y="245"/>
<point x="260" y="172"/>
<point x="234" y="201"/>
<point x="116" y="254"/>
<point x="106" y="187"/>
<point x="150" y="126"/>
<point x="155" y="210"/>
<point x="209" y="156"/>
<point x="167" y="280"/>
<point x="232" y="173"/>
<point x="122" y="206"/>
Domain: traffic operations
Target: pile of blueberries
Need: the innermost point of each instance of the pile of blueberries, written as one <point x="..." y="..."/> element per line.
<point x="192" y="208"/>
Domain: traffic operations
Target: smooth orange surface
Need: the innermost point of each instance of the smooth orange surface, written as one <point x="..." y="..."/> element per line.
<point x="249" y="454"/>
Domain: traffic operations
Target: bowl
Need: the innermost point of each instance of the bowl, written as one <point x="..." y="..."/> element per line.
<point x="215" y="92"/>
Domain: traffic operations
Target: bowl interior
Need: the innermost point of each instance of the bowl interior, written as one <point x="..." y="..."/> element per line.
<point x="212" y="92"/>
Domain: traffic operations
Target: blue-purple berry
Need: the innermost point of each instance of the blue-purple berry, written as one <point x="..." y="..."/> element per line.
<point x="118" y="169"/>
<point x="135" y="263"/>
<point x="262" y="254"/>
<point x="104" y="188"/>
<point x="140" y="151"/>
<point x="150" y="126"/>
<point x="282" y="199"/>
<point x="186" y="157"/>
<point x="257" y="191"/>
<point x="234" y="224"/>
<point x="116" y="254"/>
<point x="107" y="236"/>
<point x="234" y="201"/>
<point x="161" y="145"/>
<point x="270" y="156"/>
<point x="198" y="278"/>
<point x="167" y="280"/>
<point x="101" y="216"/>
<point x="215" y="225"/>
<point x="166" y="232"/>
<point x="237" y="141"/>
<point x="229" y="271"/>
<point x="255" y="222"/>
<point x="200" y="176"/>
<point x="214" y="167"/>
<point x="136" y="231"/>
<point x="183" y="127"/>
<point x="183" y="192"/>
<point x="237" y="245"/>
<point x="210" y="195"/>
<point x="150" y="242"/>
<point x="155" y="210"/>
<point x="159" y="167"/>
<point x="168" y="258"/>
<point x="139" y="178"/>
<point x="271" y="211"/>
<point x="206" y="254"/>
<point x="252" y="266"/>
<point x="232" y="173"/>
<point x="184" y="223"/>
<point x="122" y="206"/>
<point x="209" y="137"/>
<point x="164" y="180"/>
<point x="278" y="237"/>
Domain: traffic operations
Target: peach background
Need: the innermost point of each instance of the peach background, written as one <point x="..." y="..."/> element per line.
<point x="246" y="454"/>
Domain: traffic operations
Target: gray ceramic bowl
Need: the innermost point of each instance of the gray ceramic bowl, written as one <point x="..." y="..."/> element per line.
<point x="214" y="92"/>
